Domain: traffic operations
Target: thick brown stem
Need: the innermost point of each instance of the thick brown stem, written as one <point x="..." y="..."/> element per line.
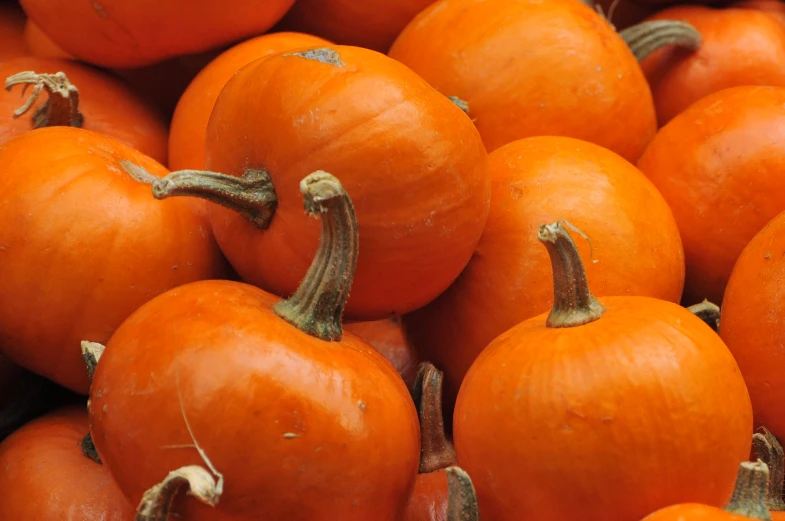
<point x="752" y="489"/>
<point x="88" y="449"/>
<point x="769" y="450"/>
<point x="462" y="499"/>
<point x="647" y="37"/>
<point x="573" y="303"/>
<point x="708" y="312"/>
<point x="156" y="503"/>
<point x="436" y="452"/>
<point x="91" y="354"/>
<point x="61" y="109"/>
<point x="252" y="195"/>
<point x="317" y="305"/>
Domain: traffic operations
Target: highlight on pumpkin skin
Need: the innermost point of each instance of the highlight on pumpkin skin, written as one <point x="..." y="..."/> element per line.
<point x="708" y="312"/>
<point x="648" y="37"/>
<point x="62" y="106"/>
<point x="463" y="504"/>
<point x="769" y="450"/>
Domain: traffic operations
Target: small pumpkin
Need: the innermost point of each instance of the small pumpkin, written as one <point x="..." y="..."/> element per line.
<point x="590" y="387"/>
<point x="718" y="165"/>
<point x="542" y="179"/>
<point x="412" y="161"/>
<point x="12" y="23"/>
<point x="121" y="34"/>
<point x="769" y="451"/>
<point x="39" y="44"/>
<point x="84" y="245"/>
<point x="386" y="336"/>
<point x="65" y="93"/>
<point x="532" y="68"/>
<point x="753" y="321"/>
<point x="189" y="123"/>
<point x="228" y="369"/>
<point x="45" y="475"/>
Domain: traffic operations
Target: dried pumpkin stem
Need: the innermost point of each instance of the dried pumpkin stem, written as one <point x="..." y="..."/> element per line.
<point x="752" y="489"/>
<point x="88" y="449"/>
<point x="648" y="37"/>
<point x="156" y="503"/>
<point x="91" y="354"/>
<point x="708" y="312"/>
<point x="317" y="305"/>
<point x="769" y="450"/>
<point x="61" y="109"/>
<point x="573" y="303"/>
<point x="462" y="499"/>
<point x="436" y="452"/>
<point x="252" y="195"/>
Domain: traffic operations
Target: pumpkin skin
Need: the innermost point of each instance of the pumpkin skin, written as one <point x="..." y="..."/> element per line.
<point x="720" y="162"/>
<point x="189" y="123"/>
<point x="12" y="23"/>
<point x="77" y="231"/>
<point x="386" y="336"/>
<point x="45" y="455"/>
<point x="108" y="106"/>
<point x="373" y="24"/>
<point x="523" y="74"/>
<point x="429" y="499"/>
<point x="39" y="44"/>
<point x="773" y="8"/>
<point x="411" y="161"/>
<point x="695" y="512"/>
<point x="119" y="34"/>
<point x="739" y="47"/>
<point x="536" y="180"/>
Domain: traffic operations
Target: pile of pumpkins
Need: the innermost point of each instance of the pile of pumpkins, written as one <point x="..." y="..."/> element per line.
<point x="374" y="260"/>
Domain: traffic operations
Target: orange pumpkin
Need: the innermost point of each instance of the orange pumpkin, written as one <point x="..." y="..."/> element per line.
<point x="769" y="451"/>
<point x="39" y="44"/>
<point x="412" y="161"/>
<point x="228" y="369"/>
<point x="85" y="97"/>
<point x="531" y="68"/>
<point x="591" y="388"/>
<point x="122" y="34"/>
<point x="45" y="476"/>
<point x="12" y="23"/>
<point x="78" y="226"/>
<point x="189" y="123"/>
<point x="718" y="165"/>
<point x="774" y="8"/>
<point x="386" y="336"/>
<point x="542" y="179"/>
<point x="738" y="47"/>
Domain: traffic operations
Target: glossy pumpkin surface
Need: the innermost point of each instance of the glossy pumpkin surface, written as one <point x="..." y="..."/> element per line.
<point x="386" y="336"/>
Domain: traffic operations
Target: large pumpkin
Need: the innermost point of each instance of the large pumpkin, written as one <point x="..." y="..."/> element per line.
<point x="118" y="33"/>
<point x="411" y="160"/>
<point x="508" y="280"/>
<point x="84" y="244"/>
<point x="719" y="166"/>
<point x="601" y="410"/>
<point x="531" y="68"/>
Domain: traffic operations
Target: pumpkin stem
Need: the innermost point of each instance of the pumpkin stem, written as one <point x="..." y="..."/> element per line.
<point x="461" y="104"/>
<point x="88" y="449"/>
<point x="156" y="503"/>
<point x="647" y="37"/>
<point x="708" y="312"/>
<point x="769" y="450"/>
<point x="91" y="354"/>
<point x="752" y="489"/>
<point x="573" y="303"/>
<point x="61" y="109"/>
<point x="252" y="195"/>
<point x="462" y="499"/>
<point x="436" y="452"/>
<point x="317" y="305"/>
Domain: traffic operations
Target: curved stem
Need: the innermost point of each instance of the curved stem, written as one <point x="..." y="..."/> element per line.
<point x="647" y="37"/>
<point x="88" y="449"/>
<point x="156" y="503"/>
<point x="91" y="354"/>
<point x="573" y="303"/>
<point x="436" y="452"/>
<point x="462" y="499"/>
<point x="752" y="488"/>
<point x="769" y="450"/>
<point x="317" y="305"/>
<point x="252" y="195"/>
<point x="708" y="312"/>
<point x="61" y="109"/>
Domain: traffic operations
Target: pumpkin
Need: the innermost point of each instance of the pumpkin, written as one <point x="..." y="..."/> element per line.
<point x="737" y="47"/>
<point x="604" y="393"/>
<point x="542" y="179"/>
<point x="774" y="8"/>
<point x="532" y="68"/>
<point x="232" y="369"/>
<point x="752" y="321"/>
<point x="386" y="336"/>
<point x="718" y="165"/>
<point x="12" y="22"/>
<point x="44" y="474"/>
<point x="769" y="451"/>
<point x="80" y="96"/>
<point x="748" y="502"/>
<point x="411" y="160"/>
<point x="119" y="34"/>
<point x="373" y="24"/>
<point x="78" y="226"/>
<point x="189" y="123"/>
<point x="39" y="44"/>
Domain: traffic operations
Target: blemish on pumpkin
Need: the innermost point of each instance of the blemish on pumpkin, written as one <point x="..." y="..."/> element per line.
<point x="98" y="8"/>
<point x="137" y="172"/>
<point x="290" y="435"/>
<point x="324" y="55"/>
<point x="767" y="256"/>
<point x="361" y="404"/>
